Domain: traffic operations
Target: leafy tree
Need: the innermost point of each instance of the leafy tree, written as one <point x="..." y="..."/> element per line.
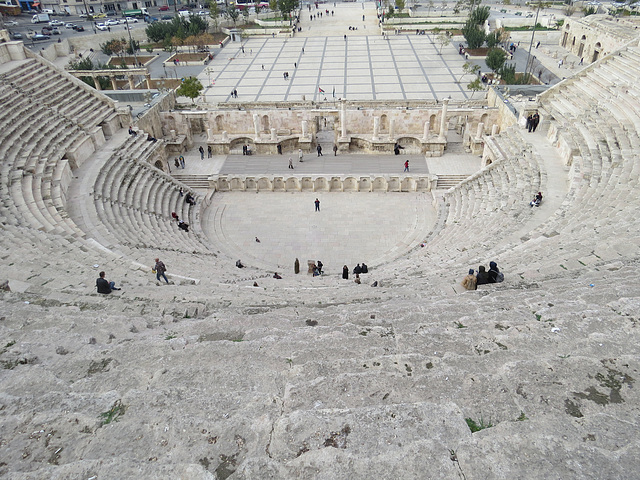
<point x="469" y="69"/>
<point x="287" y="6"/>
<point x="114" y="47"/>
<point x="508" y="73"/>
<point x="232" y="14"/>
<point x="569" y="10"/>
<point x="475" y="86"/>
<point x="495" y="59"/>
<point x="589" y="11"/>
<point x="190" y="88"/>
<point x="245" y="15"/>
<point x="443" y="40"/>
<point x="133" y="46"/>
<point x="178" y="27"/>
<point x="273" y="5"/>
<point x="480" y="15"/>
<point x="400" y="5"/>
<point x="495" y="38"/>
<point x="430" y="6"/>
<point x="214" y="13"/>
<point x="473" y="35"/>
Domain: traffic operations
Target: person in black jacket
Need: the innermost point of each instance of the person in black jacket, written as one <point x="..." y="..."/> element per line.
<point x="345" y="272"/>
<point x="105" y="286"/>
<point x="493" y="272"/>
<point x="483" y="276"/>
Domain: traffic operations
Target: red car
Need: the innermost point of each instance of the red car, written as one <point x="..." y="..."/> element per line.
<point x="164" y="8"/>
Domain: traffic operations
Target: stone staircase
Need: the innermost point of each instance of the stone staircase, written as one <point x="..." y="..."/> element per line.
<point x="193" y="181"/>
<point x="449" y="181"/>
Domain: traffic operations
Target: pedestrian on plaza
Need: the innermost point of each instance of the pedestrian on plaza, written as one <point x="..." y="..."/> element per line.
<point x="406" y="166"/>
<point x="181" y="192"/>
<point x="529" y="123"/>
<point x="242" y="47"/>
<point x="470" y="281"/>
<point x="201" y="150"/>
<point x="345" y="272"/>
<point x="319" y="150"/>
<point x="160" y="268"/>
<point x="176" y="162"/>
<point x="279" y="148"/>
<point x="208" y="151"/>
<point x="290" y="163"/>
<point x="244" y="149"/>
<point x="262" y="67"/>
<point x="300" y="155"/>
<point x="319" y="265"/>
<point x="295" y="64"/>
<point x="235" y="93"/>
<point x="105" y="286"/>
<point x="335" y="150"/>
<point x="317" y="202"/>
<point x="182" y="164"/>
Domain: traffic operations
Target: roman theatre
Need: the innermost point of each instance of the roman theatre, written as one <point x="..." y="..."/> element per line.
<point x="228" y="372"/>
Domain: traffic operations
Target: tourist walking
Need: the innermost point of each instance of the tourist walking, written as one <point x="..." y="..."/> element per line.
<point x="201" y="150"/>
<point x="345" y="272"/>
<point x="160" y="270"/>
<point x="300" y="155"/>
<point x="335" y="149"/>
<point x="208" y="151"/>
<point x="317" y="202"/>
<point x="319" y="150"/>
<point x="290" y="163"/>
<point x="406" y="166"/>
<point x="182" y="164"/>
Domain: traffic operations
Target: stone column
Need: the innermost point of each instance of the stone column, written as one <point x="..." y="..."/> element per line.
<point x="225" y="136"/>
<point x="392" y="124"/>
<point x="256" y="125"/>
<point x="427" y="126"/>
<point x="131" y="84"/>
<point x="305" y="128"/>
<point x="209" y="135"/>
<point x="376" y="128"/>
<point x="274" y="136"/>
<point x="480" y="130"/>
<point x="494" y="130"/>
<point x="343" y="119"/>
<point x="147" y="78"/>
<point x="443" y="120"/>
<point x="96" y="82"/>
<point x="114" y="85"/>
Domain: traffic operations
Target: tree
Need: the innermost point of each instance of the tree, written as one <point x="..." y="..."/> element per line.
<point x="495" y="59"/>
<point x="443" y="40"/>
<point x="114" y="47"/>
<point x="232" y="14"/>
<point x="475" y="86"/>
<point x="495" y="38"/>
<point x="480" y="15"/>
<point x="469" y="69"/>
<point x="473" y="35"/>
<point x="400" y="5"/>
<point x="287" y="6"/>
<point x="214" y="13"/>
<point x="589" y="11"/>
<point x="430" y="5"/>
<point x="273" y="5"/>
<point x="245" y="15"/>
<point x="190" y="88"/>
<point x="508" y="74"/>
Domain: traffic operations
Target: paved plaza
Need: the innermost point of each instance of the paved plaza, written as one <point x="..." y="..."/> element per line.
<point x="324" y="66"/>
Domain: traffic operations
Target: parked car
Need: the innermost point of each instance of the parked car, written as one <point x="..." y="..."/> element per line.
<point x="164" y="8"/>
<point x="37" y="37"/>
<point x="79" y="28"/>
<point x="112" y="13"/>
<point x="111" y="22"/>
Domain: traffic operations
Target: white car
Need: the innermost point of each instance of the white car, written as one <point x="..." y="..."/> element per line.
<point x="101" y="26"/>
<point x="111" y="22"/>
<point x="128" y="20"/>
<point x="53" y="23"/>
<point x="83" y="15"/>
<point x="69" y="25"/>
<point x="11" y="23"/>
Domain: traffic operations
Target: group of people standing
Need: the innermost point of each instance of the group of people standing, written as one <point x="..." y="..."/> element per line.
<point x="532" y="122"/>
<point x="482" y="277"/>
<point x="357" y="271"/>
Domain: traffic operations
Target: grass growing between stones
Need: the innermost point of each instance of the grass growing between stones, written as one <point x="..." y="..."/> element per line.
<point x="116" y="411"/>
<point x="479" y="425"/>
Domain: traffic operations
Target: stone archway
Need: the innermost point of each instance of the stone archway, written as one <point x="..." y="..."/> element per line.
<point x="596" y="52"/>
<point x="265" y="124"/>
<point x="581" y="48"/>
